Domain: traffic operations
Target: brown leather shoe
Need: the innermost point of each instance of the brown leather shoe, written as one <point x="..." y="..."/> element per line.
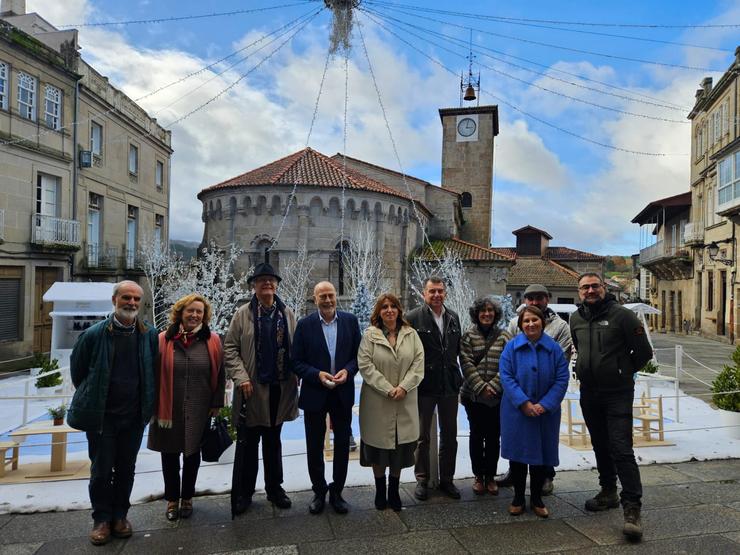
<point x="541" y="512"/>
<point x="186" y="508"/>
<point x="122" y="528"/>
<point x="479" y="488"/>
<point x="100" y="534"/>
<point x="173" y="511"/>
<point x="516" y="510"/>
<point x="492" y="487"/>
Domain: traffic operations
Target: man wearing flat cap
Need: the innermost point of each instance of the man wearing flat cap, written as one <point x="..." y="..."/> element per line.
<point x="257" y="357"/>
<point x="557" y="328"/>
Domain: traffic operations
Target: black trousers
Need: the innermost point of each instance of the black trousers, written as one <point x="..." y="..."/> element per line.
<point x="608" y="417"/>
<point x="174" y="489"/>
<point x="113" y="455"/>
<point x="315" y="425"/>
<point x="447" y="418"/>
<point x="272" y="451"/>
<point x="536" y="480"/>
<point x="484" y="441"/>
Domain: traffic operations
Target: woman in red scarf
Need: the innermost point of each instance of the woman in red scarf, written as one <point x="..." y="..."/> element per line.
<point x="190" y="389"/>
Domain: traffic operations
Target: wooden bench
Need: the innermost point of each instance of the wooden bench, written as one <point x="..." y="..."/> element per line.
<point x="6" y="446"/>
<point x="649" y="416"/>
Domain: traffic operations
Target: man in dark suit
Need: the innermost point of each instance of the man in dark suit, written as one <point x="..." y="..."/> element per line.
<point x="325" y="358"/>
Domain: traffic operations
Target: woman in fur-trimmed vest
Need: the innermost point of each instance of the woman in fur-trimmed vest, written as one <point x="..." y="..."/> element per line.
<point x="190" y="389"/>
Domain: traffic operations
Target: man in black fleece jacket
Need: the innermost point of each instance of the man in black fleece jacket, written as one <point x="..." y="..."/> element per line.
<point x="612" y="345"/>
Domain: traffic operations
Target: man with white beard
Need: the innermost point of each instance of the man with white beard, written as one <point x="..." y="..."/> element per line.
<point x="112" y="368"/>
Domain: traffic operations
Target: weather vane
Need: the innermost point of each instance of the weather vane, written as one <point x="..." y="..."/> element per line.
<point x="470" y="89"/>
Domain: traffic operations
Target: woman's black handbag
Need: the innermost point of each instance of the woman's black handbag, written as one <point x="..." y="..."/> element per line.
<point x="216" y="440"/>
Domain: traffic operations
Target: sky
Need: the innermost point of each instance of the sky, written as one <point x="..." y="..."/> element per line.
<point x="593" y="99"/>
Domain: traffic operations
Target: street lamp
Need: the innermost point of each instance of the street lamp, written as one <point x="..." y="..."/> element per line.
<point x="713" y="250"/>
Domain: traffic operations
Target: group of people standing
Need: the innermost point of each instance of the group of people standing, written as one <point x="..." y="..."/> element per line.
<point x="511" y="380"/>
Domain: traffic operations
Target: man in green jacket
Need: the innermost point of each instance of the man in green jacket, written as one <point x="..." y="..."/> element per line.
<point x="612" y="345"/>
<point x="112" y="368"/>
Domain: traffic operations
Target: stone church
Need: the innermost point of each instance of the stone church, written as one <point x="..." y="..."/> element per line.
<point x="249" y="210"/>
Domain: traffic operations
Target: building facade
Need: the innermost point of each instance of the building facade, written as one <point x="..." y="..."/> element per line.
<point x="56" y="115"/>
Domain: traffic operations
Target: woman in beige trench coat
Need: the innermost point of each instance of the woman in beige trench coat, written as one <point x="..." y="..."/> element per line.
<point x="391" y="362"/>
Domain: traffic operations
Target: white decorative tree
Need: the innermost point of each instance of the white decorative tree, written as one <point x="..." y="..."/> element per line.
<point x="169" y="278"/>
<point x="162" y="271"/>
<point x="294" y="287"/>
<point x="365" y="271"/>
<point x="341" y="28"/>
<point x="449" y="267"/>
<point x="211" y="275"/>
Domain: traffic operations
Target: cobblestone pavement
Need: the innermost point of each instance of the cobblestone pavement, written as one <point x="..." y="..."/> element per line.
<point x="688" y="508"/>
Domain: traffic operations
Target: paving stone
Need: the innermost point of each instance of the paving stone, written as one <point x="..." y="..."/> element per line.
<point x="278" y="550"/>
<point x="711" y="492"/>
<point x="521" y="537"/>
<point x="653" y="497"/>
<point x="437" y="541"/>
<point x="606" y="528"/>
<point x="735" y="537"/>
<point x="4" y="519"/>
<point x="369" y="523"/>
<point x="578" y="480"/>
<point x="710" y="471"/>
<point x="19" y="548"/>
<point x="696" y="545"/>
<point x="473" y="513"/>
<point x="80" y="545"/>
<point x="46" y="526"/>
<point x="735" y="505"/>
<point x="659" y="475"/>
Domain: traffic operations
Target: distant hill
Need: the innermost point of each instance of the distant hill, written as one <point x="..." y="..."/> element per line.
<point x="187" y="249"/>
<point x="617" y="265"/>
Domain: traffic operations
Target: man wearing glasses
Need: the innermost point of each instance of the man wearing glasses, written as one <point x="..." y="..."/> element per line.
<point x="557" y="328"/>
<point x="612" y="346"/>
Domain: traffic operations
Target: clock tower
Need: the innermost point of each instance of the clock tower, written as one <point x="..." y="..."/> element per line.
<point x="467" y="165"/>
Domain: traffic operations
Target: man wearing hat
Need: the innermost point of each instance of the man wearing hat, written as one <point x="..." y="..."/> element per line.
<point x="557" y="328"/>
<point x="257" y="358"/>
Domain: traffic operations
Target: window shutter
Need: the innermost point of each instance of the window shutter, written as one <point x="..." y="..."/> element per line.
<point x="10" y="292"/>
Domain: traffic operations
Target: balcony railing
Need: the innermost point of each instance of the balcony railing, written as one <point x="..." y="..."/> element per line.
<point x="2" y="225"/>
<point x="132" y="260"/>
<point x="49" y="231"/>
<point x="694" y="233"/>
<point x="660" y="250"/>
<point x="101" y="257"/>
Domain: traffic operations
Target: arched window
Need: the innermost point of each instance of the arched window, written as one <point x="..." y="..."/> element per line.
<point x="340" y="252"/>
<point x="467" y="200"/>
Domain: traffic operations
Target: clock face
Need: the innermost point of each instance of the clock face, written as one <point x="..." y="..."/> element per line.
<point x="466" y="127"/>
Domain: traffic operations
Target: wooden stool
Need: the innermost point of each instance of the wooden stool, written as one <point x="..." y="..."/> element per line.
<point x="647" y="413"/>
<point x="577" y="430"/>
<point x="13" y="460"/>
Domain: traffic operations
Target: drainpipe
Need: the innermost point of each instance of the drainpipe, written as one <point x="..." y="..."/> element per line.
<point x="75" y="168"/>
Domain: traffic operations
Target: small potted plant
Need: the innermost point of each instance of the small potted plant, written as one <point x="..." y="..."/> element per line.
<point x="47" y="384"/>
<point x="728" y="403"/>
<point x="58" y="414"/>
<point x="650" y="367"/>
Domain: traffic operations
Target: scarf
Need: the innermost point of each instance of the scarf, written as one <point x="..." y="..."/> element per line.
<point x="272" y="350"/>
<point x="187" y="338"/>
<point x="167" y="370"/>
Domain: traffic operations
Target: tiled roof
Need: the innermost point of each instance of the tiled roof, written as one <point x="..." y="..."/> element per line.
<point x="555" y="253"/>
<point x="338" y="156"/>
<point x="465" y="250"/>
<point x="547" y="272"/>
<point x="311" y="168"/>
<point x="529" y="228"/>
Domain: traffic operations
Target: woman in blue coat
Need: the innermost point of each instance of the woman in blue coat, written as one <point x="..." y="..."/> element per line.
<point x="534" y="376"/>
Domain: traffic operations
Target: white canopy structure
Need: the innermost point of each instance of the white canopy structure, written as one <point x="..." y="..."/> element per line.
<point x="642" y="309"/>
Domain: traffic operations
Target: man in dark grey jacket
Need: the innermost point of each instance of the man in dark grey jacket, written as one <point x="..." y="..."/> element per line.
<point x="612" y="346"/>
<point x="439" y="330"/>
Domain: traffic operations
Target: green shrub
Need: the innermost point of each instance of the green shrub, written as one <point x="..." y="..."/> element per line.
<point x="650" y="367"/>
<point x="52" y="380"/>
<point x="728" y="380"/>
<point x="58" y="412"/>
<point x="225" y="413"/>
